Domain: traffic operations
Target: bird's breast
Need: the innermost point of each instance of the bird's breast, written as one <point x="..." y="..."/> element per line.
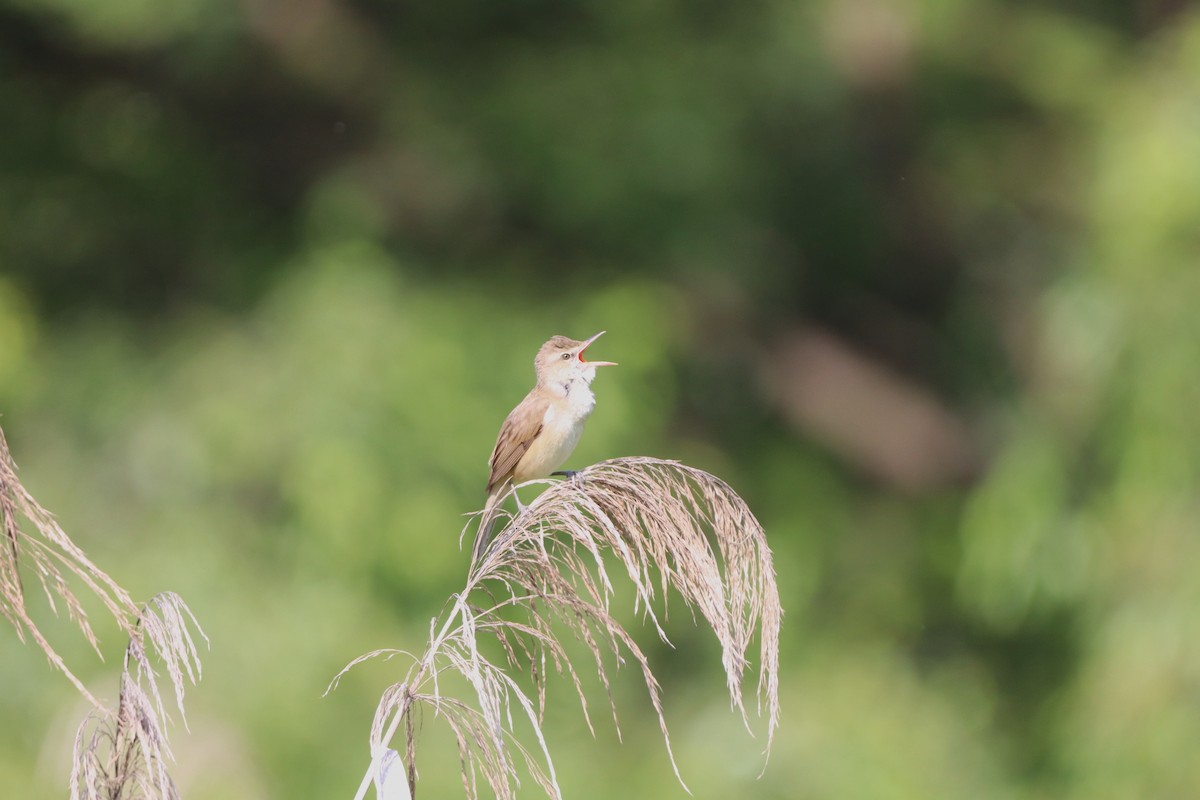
<point x="562" y="427"/>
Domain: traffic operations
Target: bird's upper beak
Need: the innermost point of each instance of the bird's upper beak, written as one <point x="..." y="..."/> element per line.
<point x="588" y="344"/>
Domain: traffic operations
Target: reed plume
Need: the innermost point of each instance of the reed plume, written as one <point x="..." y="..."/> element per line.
<point x="547" y="578"/>
<point x="120" y="753"/>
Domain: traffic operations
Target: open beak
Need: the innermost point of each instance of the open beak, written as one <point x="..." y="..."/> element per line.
<point x="588" y="344"/>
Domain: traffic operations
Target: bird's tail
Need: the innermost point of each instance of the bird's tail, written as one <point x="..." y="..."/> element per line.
<point x="487" y="521"/>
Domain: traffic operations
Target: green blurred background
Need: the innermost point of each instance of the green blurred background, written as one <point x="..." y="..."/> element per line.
<point x="917" y="278"/>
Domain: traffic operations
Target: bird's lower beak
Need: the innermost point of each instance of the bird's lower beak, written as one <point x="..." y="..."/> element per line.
<point x="588" y="344"/>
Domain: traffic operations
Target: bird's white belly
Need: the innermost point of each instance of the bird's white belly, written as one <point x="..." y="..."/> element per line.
<point x="562" y="428"/>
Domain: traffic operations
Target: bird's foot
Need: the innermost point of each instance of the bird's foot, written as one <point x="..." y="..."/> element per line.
<point x="570" y="474"/>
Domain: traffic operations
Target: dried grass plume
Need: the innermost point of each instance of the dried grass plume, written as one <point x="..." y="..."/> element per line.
<point x="121" y="753"/>
<point x="548" y="577"/>
<point x="52" y="557"/>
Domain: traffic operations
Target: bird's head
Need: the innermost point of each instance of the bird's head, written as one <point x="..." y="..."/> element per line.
<point x="561" y="360"/>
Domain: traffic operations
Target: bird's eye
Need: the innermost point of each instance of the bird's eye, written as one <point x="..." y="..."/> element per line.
<point x="565" y="356"/>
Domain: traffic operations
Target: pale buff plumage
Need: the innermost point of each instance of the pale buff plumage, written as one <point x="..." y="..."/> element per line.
<point x="542" y="431"/>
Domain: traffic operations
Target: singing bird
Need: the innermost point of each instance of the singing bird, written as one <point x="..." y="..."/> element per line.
<point x="540" y="433"/>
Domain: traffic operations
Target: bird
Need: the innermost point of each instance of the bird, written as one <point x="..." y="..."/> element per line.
<point x="542" y="431"/>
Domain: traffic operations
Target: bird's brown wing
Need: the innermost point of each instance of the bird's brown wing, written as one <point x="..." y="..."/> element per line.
<point x="523" y="425"/>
